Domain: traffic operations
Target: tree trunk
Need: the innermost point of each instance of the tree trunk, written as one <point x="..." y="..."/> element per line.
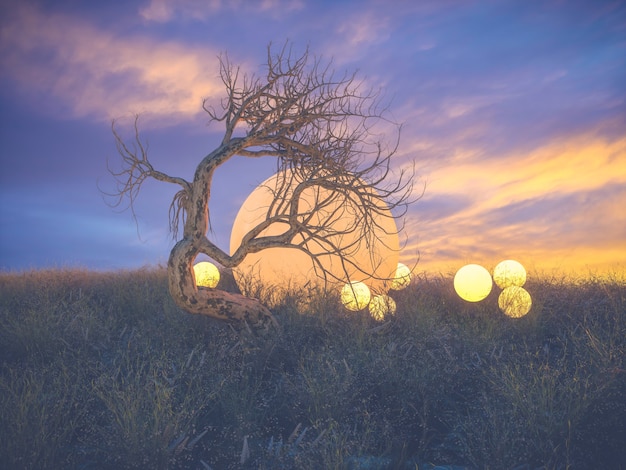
<point x="211" y="302"/>
<point x="182" y="285"/>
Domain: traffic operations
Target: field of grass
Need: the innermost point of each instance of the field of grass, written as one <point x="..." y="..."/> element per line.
<point x="102" y="370"/>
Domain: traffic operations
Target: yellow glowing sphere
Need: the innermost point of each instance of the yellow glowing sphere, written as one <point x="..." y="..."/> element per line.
<point x="207" y="274"/>
<point x="402" y="277"/>
<point x="292" y="266"/>
<point x="514" y="301"/>
<point x="355" y="296"/>
<point x="472" y="283"/>
<point x="509" y="273"/>
<point x="381" y="306"/>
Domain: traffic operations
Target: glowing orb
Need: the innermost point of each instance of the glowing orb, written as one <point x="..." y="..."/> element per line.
<point x="381" y="306"/>
<point x="292" y="266"/>
<point x="514" y="301"/>
<point x="402" y="277"/>
<point x="509" y="273"/>
<point x="355" y="296"/>
<point x="472" y="283"/>
<point x="207" y="274"/>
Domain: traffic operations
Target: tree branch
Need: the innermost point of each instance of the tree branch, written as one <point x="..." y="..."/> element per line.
<point x="335" y="188"/>
<point x="136" y="168"/>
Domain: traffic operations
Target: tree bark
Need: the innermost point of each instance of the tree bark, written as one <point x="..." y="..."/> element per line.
<point x="319" y="127"/>
<point x="214" y="303"/>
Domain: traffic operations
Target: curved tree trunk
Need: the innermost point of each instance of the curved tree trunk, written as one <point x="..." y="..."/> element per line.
<point x="205" y="301"/>
<point x="211" y="302"/>
<point x="316" y="124"/>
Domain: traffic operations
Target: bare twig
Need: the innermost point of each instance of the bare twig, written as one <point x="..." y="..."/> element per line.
<point x="319" y="126"/>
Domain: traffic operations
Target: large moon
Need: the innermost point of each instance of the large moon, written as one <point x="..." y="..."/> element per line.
<point x="291" y="267"/>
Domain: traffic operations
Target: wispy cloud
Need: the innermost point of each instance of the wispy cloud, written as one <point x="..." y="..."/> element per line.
<point x="162" y="11"/>
<point x="513" y="112"/>
<point x="365" y="28"/>
<point x="98" y="73"/>
<point x="552" y="204"/>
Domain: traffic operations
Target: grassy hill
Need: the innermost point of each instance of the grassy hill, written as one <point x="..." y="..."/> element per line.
<point x="102" y="370"/>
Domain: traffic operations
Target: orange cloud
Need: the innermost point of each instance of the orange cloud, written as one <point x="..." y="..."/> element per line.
<point x="97" y="73"/>
<point x="559" y="207"/>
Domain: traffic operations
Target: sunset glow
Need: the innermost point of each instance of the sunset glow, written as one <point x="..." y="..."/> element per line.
<point x="521" y="211"/>
<point x="512" y="116"/>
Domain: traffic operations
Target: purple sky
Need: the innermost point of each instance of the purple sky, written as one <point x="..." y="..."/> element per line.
<point x="514" y="112"/>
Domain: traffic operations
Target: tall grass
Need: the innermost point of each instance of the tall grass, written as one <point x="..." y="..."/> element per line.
<point x="102" y="370"/>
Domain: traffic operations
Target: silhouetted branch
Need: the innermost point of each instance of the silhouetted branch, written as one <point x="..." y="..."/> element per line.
<point x="136" y="169"/>
<point x="320" y="127"/>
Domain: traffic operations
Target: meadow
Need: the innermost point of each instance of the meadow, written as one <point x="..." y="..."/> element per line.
<point x="103" y="371"/>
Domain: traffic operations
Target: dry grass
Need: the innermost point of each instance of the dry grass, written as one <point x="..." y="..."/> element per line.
<point x="103" y="371"/>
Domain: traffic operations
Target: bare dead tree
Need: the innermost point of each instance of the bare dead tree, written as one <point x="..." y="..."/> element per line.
<point x="320" y="128"/>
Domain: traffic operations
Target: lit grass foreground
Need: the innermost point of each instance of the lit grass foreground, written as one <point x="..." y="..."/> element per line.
<point x="103" y="371"/>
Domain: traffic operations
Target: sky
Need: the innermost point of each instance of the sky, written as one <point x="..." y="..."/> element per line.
<point x="514" y="113"/>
